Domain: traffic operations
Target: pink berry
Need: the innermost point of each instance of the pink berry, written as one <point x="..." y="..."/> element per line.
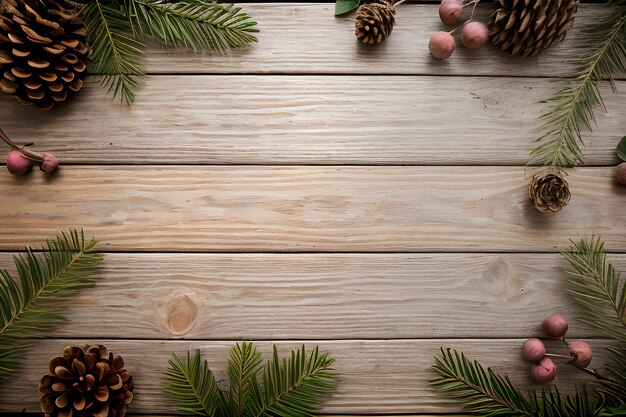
<point x="544" y="371"/>
<point x="50" y="163"/>
<point x="555" y="325"/>
<point x="620" y="173"/>
<point x="533" y="350"/>
<point x="450" y="13"/>
<point x="441" y="45"/>
<point x="475" y="35"/>
<point x="17" y="163"/>
<point x="582" y="353"/>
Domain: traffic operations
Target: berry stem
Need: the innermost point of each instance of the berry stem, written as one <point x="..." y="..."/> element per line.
<point x="556" y="355"/>
<point x="473" y="3"/>
<point x="8" y="141"/>
<point x="33" y="156"/>
<point x="593" y="372"/>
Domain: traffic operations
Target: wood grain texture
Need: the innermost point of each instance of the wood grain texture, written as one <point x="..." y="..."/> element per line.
<point x="380" y="209"/>
<point x="329" y="296"/>
<point x="377" y="376"/>
<point x="394" y="120"/>
<point x="306" y="38"/>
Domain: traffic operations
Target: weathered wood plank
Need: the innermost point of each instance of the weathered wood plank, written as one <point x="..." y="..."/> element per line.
<point x="306" y="38"/>
<point x="377" y="376"/>
<point x="380" y="209"/>
<point x="309" y="120"/>
<point x="336" y="296"/>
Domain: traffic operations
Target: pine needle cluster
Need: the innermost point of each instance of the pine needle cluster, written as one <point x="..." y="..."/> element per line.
<point x="119" y="29"/>
<point x="572" y="108"/>
<point x="601" y="293"/>
<point x="292" y="387"/>
<point x="63" y="266"/>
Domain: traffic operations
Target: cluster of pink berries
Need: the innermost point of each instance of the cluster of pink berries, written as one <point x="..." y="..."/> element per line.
<point x="543" y="368"/>
<point x="473" y="36"/>
<point x="21" y="158"/>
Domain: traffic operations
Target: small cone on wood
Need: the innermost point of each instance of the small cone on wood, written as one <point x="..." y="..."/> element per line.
<point x="549" y="193"/>
<point x="374" y="21"/>
<point x="43" y="51"/>
<point x="86" y="381"/>
<point x="527" y="27"/>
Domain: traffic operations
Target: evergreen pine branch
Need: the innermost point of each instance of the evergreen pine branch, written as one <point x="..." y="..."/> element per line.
<point x="486" y="393"/>
<point x="65" y="266"/>
<point x="596" y="286"/>
<point x="116" y="52"/>
<point x="574" y="105"/>
<point x="192" y="384"/>
<point x="483" y="391"/>
<point x="244" y="364"/>
<point x="294" y="388"/>
<point x="615" y="388"/>
<point x="196" y="24"/>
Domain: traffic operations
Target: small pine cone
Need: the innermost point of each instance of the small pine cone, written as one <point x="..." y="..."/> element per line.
<point x="88" y="382"/>
<point x="549" y="193"/>
<point x="527" y="27"/>
<point x="374" y="21"/>
<point x="43" y="52"/>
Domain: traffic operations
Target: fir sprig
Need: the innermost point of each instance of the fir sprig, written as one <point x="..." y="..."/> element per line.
<point x="116" y="53"/>
<point x="65" y="265"/>
<point x="293" y="387"/>
<point x="488" y="394"/>
<point x="597" y="288"/>
<point x="574" y="105"/>
<point x="119" y="29"/>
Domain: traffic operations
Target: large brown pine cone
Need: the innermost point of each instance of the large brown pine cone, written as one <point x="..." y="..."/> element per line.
<point x="43" y="52"/>
<point x="527" y="27"/>
<point x="86" y="382"/>
<point x="549" y="193"/>
<point x="374" y="21"/>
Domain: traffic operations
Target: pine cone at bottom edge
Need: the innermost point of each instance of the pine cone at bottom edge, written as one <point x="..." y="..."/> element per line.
<point x="84" y="382"/>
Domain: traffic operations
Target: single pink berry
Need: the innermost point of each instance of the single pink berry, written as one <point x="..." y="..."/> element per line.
<point x="17" y="163"/>
<point x="50" y="163"/>
<point x="555" y="325"/>
<point x="533" y="349"/>
<point x="441" y="45"/>
<point x="544" y="371"/>
<point x="582" y="353"/>
<point x="450" y="13"/>
<point x="620" y="173"/>
<point x="474" y="35"/>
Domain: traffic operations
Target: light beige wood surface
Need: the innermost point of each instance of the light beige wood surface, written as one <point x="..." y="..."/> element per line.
<point x="373" y="209"/>
<point x="331" y="296"/>
<point x="474" y="265"/>
<point x="310" y="120"/>
<point x="306" y="38"/>
<point x="378" y="377"/>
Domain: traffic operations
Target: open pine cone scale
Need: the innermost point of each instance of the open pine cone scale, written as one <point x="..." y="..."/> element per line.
<point x="87" y="382"/>
<point x="43" y="52"/>
<point x="527" y="27"/>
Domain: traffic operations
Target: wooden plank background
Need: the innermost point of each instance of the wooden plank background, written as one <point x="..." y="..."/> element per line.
<point x="306" y="189"/>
